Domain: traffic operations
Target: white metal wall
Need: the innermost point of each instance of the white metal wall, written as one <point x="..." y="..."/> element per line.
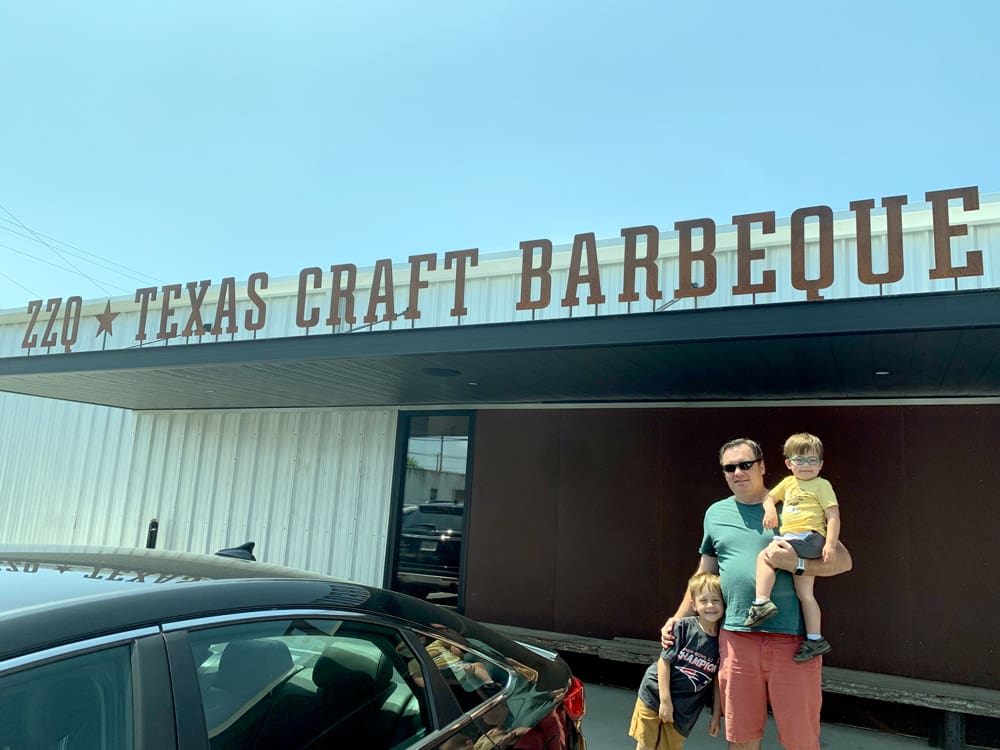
<point x="311" y="487"/>
<point x="64" y="468"/>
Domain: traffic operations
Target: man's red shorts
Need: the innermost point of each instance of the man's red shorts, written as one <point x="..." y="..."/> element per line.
<point x="758" y="668"/>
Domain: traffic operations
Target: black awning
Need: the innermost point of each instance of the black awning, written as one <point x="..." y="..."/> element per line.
<point x="942" y="345"/>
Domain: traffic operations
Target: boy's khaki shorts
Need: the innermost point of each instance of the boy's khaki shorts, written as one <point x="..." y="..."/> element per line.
<point x="650" y="732"/>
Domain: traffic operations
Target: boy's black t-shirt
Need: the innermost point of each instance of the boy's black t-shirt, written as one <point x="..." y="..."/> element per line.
<point x="694" y="663"/>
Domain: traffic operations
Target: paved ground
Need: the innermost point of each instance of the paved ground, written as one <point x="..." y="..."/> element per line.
<point x="609" y="709"/>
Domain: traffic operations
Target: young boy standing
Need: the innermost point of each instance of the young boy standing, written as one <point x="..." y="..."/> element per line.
<point x="675" y="688"/>
<point x="810" y="522"/>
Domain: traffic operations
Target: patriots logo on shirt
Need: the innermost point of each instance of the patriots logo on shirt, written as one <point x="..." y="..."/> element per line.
<point x="698" y="678"/>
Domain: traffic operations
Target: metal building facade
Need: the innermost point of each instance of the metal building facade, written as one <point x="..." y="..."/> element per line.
<point x="310" y="487"/>
<point x="64" y="470"/>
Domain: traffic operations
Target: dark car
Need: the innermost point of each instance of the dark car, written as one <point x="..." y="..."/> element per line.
<point x="430" y="547"/>
<point x="121" y="649"/>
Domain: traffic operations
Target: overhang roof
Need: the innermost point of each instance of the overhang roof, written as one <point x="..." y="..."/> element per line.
<point x="941" y="345"/>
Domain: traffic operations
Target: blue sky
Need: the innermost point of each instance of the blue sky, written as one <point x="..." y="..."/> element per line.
<point x="197" y="140"/>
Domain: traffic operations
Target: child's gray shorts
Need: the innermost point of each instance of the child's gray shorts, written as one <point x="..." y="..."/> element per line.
<point x="809" y="548"/>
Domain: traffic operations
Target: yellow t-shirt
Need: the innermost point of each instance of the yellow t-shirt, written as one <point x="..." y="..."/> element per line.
<point x="805" y="503"/>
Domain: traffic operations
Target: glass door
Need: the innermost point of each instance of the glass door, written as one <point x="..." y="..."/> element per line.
<point x="431" y="516"/>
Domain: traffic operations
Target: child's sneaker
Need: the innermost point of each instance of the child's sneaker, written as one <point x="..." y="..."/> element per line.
<point x="760" y="612"/>
<point x="809" y="649"/>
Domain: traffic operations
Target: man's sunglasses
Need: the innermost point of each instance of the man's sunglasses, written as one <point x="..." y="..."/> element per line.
<point x="742" y="466"/>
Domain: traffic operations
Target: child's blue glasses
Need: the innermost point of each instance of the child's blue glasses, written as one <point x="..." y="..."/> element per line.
<point x="805" y="460"/>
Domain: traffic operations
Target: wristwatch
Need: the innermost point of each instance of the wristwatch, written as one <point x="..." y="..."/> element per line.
<point x="801" y="567"/>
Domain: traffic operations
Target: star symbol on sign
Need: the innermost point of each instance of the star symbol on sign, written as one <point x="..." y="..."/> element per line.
<point x="105" y="319"/>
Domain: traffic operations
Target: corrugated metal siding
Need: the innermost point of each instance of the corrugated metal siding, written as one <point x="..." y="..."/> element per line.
<point x="311" y="488"/>
<point x="64" y="468"/>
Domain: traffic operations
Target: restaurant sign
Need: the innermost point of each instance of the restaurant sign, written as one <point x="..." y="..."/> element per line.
<point x="227" y="308"/>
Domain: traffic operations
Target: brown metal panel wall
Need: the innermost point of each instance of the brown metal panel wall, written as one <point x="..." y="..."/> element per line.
<point x="561" y="536"/>
<point x="566" y="504"/>
<point x="955" y="531"/>
<point x="511" y="564"/>
<point x="607" y="556"/>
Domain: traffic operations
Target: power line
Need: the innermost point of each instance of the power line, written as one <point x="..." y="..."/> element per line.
<point x="53" y="249"/>
<point x="108" y="264"/>
<point x="56" y="265"/>
<point x="15" y="282"/>
<point x="143" y="279"/>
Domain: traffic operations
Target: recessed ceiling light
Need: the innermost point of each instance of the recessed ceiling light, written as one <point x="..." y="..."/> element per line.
<point x="883" y="372"/>
<point x="472" y="382"/>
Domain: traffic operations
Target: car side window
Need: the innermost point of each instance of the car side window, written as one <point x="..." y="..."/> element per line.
<point x="75" y="703"/>
<point x="471" y="678"/>
<point x="309" y="683"/>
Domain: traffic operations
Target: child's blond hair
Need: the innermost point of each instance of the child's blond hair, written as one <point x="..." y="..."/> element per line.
<point x="702" y="581"/>
<point x="802" y="443"/>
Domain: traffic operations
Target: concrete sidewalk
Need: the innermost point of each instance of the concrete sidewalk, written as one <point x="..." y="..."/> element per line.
<point x="609" y="709"/>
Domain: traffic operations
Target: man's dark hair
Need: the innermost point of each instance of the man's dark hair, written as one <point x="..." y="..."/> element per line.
<point x="754" y="446"/>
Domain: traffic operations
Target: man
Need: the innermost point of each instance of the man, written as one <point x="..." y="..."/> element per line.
<point x="757" y="664"/>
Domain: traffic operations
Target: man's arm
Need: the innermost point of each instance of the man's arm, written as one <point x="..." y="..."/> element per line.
<point x="781" y="556"/>
<point x="707" y="564"/>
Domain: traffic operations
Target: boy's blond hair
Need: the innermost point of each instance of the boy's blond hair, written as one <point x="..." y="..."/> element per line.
<point x="701" y="581"/>
<point x="802" y="443"/>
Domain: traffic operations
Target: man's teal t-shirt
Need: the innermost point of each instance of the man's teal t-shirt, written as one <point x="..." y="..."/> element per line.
<point x="735" y="535"/>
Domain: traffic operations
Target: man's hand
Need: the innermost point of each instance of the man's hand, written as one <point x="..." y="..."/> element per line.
<point x="667" y="633"/>
<point x="781" y="556"/>
<point x="666" y="712"/>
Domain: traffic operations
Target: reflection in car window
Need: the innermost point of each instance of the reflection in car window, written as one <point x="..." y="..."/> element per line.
<point x="472" y="679"/>
<point x="308" y="683"/>
<point x="78" y="703"/>
<point x="434" y="519"/>
<point x="493" y="730"/>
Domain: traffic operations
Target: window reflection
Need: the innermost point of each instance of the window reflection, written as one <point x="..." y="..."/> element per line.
<point x="77" y="702"/>
<point x="309" y="684"/>
<point x="432" y="520"/>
